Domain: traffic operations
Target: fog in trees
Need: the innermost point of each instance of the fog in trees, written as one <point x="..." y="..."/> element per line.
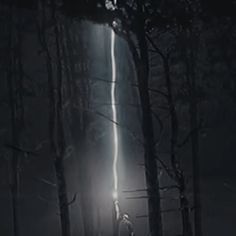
<point x="117" y="118"/>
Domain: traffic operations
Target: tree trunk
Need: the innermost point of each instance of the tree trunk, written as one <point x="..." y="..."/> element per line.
<point x="193" y="114"/>
<point x="14" y="179"/>
<point x="56" y="115"/>
<point x="15" y="90"/>
<point x="151" y="171"/>
<point x="60" y="137"/>
<point x="154" y="208"/>
<point x="179" y="175"/>
<point x="193" y="111"/>
<point x="184" y="206"/>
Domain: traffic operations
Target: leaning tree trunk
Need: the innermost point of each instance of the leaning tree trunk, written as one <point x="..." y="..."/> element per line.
<point x="60" y="136"/>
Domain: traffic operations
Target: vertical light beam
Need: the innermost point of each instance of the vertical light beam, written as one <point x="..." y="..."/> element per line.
<point x="114" y="116"/>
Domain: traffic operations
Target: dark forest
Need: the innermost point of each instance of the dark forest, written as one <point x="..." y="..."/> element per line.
<point x="117" y="118"/>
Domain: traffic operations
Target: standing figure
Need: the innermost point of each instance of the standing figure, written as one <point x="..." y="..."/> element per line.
<point x="122" y="223"/>
<point x="126" y="226"/>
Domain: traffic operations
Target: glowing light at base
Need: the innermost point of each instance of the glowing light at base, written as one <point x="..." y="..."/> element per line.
<point x="114" y="116"/>
<point x="115" y="195"/>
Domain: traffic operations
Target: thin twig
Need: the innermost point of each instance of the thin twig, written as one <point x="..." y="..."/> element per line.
<point x="45" y="181"/>
<point x="73" y="200"/>
<point x="21" y="149"/>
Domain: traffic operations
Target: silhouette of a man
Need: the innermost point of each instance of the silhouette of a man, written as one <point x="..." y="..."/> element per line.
<point x="124" y="224"/>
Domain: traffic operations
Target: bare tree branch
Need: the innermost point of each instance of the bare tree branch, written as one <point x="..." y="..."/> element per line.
<point x="144" y="190"/>
<point x="45" y="181"/>
<point x="73" y="200"/>
<point x="21" y="149"/>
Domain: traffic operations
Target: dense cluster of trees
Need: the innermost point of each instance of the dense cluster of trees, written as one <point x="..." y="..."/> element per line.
<point x="174" y="77"/>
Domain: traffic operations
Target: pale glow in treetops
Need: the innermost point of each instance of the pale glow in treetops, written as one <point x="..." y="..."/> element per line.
<point x="110" y="5"/>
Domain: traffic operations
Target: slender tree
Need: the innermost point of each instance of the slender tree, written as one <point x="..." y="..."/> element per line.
<point x="177" y="173"/>
<point x="190" y="59"/>
<point x="141" y="61"/>
<point x="56" y="123"/>
<point x="15" y="91"/>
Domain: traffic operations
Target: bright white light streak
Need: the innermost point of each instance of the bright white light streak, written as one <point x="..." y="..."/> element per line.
<point x="114" y="115"/>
